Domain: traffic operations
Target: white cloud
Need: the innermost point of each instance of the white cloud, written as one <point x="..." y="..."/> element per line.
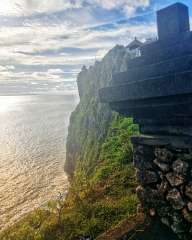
<point x="37" y="43"/>
<point x="128" y="6"/>
<point x="28" y="7"/>
<point x="55" y="71"/>
<point x="6" y="68"/>
<point x="50" y="74"/>
<point x="29" y="45"/>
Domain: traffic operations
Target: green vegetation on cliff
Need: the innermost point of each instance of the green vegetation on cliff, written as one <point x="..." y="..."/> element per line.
<point x="99" y="162"/>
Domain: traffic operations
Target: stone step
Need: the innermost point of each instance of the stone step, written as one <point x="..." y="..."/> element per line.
<point x="167" y="43"/>
<point x="164" y="130"/>
<point x="165" y="111"/>
<point x="182" y="142"/>
<point x="164" y="86"/>
<point x="173" y="121"/>
<point x="154" y="102"/>
<point x="176" y="65"/>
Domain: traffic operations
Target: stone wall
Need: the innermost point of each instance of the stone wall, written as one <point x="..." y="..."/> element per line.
<point x="164" y="171"/>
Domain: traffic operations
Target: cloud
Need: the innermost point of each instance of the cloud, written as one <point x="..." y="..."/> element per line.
<point x="51" y="40"/>
<point x="45" y="46"/>
<point x="29" y="7"/>
<point x="56" y="71"/>
<point x="128" y="6"/>
<point x="7" y="73"/>
<point x="7" y="68"/>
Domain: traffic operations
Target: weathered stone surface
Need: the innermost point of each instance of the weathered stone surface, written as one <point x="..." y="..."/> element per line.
<point x="164" y="155"/>
<point x="166" y="196"/>
<point x="175" y="198"/>
<point x="176" y="217"/>
<point x="163" y="187"/>
<point x="174" y="179"/>
<point x="184" y="235"/>
<point x="178" y="228"/>
<point x="180" y="167"/>
<point x="163" y="166"/>
<point x="189" y="205"/>
<point x="187" y="215"/>
<point x="139" y="149"/>
<point x="164" y="210"/>
<point x="147" y="177"/>
<point x="166" y="221"/>
<point x="169" y="23"/>
<point x="186" y="156"/>
<point x="141" y="193"/>
<point x="188" y="190"/>
<point x="178" y="225"/>
<point x="152" y="197"/>
<point x="182" y="189"/>
<point x="141" y="163"/>
<point x="161" y="175"/>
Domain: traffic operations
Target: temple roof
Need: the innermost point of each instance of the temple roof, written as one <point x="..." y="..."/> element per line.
<point x="134" y="44"/>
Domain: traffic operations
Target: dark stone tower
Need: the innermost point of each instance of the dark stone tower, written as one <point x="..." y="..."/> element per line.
<point x="156" y="91"/>
<point x="173" y="21"/>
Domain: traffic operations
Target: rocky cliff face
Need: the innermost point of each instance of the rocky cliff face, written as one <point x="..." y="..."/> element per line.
<point x="90" y="121"/>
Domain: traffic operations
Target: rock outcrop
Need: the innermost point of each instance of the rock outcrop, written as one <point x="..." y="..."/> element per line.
<point x="90" y="121"/>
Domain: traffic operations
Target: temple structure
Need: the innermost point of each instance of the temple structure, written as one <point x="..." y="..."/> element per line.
<point x="156" y="90"/>
<point x="134" y="44"/>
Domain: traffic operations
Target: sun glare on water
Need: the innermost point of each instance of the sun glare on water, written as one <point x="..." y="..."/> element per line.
<point x="8" y="103"/>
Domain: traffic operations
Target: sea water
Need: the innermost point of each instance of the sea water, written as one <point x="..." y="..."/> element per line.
<point x="33" y="131"/>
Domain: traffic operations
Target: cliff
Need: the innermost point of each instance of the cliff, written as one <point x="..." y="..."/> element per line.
<point x="90" y="121"/>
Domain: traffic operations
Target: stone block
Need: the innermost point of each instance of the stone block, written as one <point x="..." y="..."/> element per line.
<point x="175" y="179"/>
<point x="175" y="199"/>
<point x="180" y="167"/>
<point x="189" y="205"/>
<point x="146" y="177"/>
<point x="163" y="155"/>
<point x="173" y="21"/>
<point x="188" y="190"/>
<point x="169" y="66"/>
<point x="187" y="216"/>
<point x="163" y="187"/>
<point x="162" y="166"/>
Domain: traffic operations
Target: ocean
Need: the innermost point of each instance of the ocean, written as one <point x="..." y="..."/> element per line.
<point x="33" y="131"/>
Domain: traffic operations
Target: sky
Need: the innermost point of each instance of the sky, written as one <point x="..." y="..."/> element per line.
<point x="52" y="39"/>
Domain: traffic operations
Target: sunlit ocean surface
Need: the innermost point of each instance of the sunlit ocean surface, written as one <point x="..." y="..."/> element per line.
<point x="33" y="130"/>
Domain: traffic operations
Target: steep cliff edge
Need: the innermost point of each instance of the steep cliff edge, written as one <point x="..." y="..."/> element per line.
<point x="90" y="121"/>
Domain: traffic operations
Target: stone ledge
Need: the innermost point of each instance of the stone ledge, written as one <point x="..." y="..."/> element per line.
<point x="172" y="141"/>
